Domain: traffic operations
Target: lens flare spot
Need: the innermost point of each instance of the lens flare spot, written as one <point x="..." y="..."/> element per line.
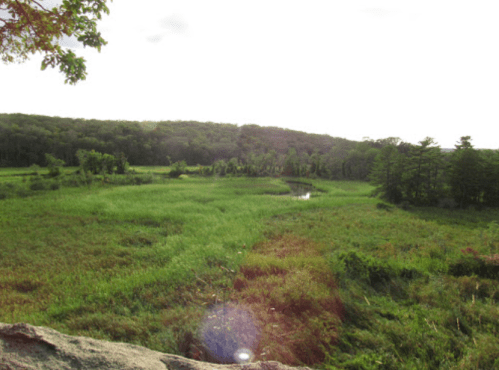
<point x="243" y="356"/>
<point x="229" y="334"/>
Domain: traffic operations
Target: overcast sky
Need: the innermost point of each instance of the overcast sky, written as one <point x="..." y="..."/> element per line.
<point x="349" y="69"/>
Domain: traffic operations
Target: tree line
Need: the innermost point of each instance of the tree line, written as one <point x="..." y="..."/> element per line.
<point x="422" y="174"/>
<point x="24" y="140"/>
<point x="259" y="151"/>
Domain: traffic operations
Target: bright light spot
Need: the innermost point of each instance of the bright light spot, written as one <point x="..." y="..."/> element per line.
<point x="243" y="355"/>
<point x="229" y="333"/>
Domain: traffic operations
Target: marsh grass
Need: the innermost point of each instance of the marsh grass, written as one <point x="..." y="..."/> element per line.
<point x="86" y="259"/>
<point x="287" y="284"/>
<point x="142" y="264"/>
<point x="403" y="307"/>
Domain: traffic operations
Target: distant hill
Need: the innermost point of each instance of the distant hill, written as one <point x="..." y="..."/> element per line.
<point x="24" y="139"/>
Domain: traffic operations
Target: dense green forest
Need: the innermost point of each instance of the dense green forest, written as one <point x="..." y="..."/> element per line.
<point x="24" y="140"/>
<point x="421" y="174"/>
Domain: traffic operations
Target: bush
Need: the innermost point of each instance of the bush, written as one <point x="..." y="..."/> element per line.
<point x="87" y="178"/>
<point x="138" y="180"/>
<point x="9" y="190"/>
<point x="447" y="203"/>
<point x="121" y="163"/>
<point x="36" y="183"/>
<point x="34" y="169"/>
<point x="383" y="206"/>
<point x="22" y="192"/>
<point x="147" y="178"/>
<point x="178" y="168"/>
<point x="405" y="205"/>
<point x="108" y="163"/>
<point x="96" y="163"/>
<point x="54" y="165"/>
<point x="73" y="181"/>
<point x="473" y="264"/>
<point x="90" y="161"/>
<point x="361" y="267"/>
<point x="207" y="171"/>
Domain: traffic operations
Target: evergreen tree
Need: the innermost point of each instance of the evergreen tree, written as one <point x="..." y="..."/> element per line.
<point x="421" y="179"/>
<point x="466" y="173"/>
<point x="387" y="173"/>
<point x="291" y="164"/>
<point x="490" y="181"/>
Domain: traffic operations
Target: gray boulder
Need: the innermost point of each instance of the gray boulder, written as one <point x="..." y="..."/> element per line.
<point x="27" y="347"/>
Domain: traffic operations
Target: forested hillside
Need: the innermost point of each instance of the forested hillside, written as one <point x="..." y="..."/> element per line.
<point x="24" y="140"/>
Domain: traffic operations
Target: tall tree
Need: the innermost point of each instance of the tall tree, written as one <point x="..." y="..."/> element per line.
<point x="421" y="176"/>
<point x="490" y="180"/>
<point x="387" y="173"/>
<point x="359" y="161"/>
<point x="291" y="163"/>
<point x="466" y="173"/>
<point x="31" y="27"/>
<point x="333" y="163"/>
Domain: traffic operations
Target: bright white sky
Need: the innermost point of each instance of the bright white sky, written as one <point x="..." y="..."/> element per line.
<point x="349" y="69"/>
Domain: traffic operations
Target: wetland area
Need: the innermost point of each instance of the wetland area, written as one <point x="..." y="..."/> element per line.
<point x="334" y="282"/>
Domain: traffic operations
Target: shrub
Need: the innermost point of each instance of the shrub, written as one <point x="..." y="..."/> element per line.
<point x="383" y="206"/>
<point x="36" y="183"/>
<point x="447" y="203"/>
<point x="121" y="163"/>
<point x="87" y="178"/>
<point x="207" y="171"/>
<point x="471" y="263"/>
<point x="34" y="169"/>
<point x="90" y="161"/>
<point x="54" y="165"/>
<point x="73" y="181"/>
<point x="95" y="162"/>
<point x="178" y="168"/>
<point x="22" y="192"/>
<point x="119" y="180"/>
<point x="139" y="180"/>
<point x="361" y="267"/>
<point x="405" y="205"/>
<point x="220" y="167"/>
<point x="10" y="185"/>
<point x="108" y="163"/>
<point x="147" y="178"/>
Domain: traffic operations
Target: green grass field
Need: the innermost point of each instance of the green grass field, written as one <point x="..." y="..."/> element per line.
<point x="336" y="281"/>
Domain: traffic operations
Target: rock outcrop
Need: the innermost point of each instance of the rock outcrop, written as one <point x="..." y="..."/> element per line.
<point x="27" y="347"/>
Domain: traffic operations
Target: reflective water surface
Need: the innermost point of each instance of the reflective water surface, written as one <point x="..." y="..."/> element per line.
<point x="300" y="190"/>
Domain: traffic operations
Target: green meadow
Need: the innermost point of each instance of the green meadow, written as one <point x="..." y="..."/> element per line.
<point x="414" y="288"/>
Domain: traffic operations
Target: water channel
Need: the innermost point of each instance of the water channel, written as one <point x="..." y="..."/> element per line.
<point x="299" y="190"/>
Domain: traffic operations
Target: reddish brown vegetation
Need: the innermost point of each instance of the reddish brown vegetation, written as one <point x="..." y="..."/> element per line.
<point x="296" y="305"/>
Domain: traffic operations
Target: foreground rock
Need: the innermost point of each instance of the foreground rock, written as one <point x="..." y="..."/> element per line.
<point x="23" y="346"/>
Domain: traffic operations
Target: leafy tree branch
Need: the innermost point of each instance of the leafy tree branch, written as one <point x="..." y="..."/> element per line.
<point x="32" y="28"/>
